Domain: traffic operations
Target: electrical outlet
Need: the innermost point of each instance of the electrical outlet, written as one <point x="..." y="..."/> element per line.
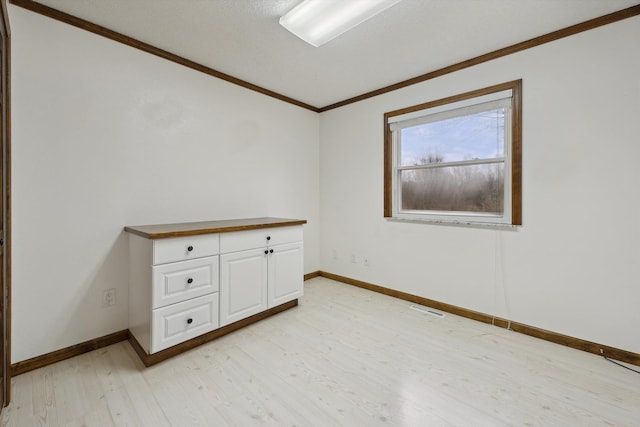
<point x="365" y="261"/>
<point x="334" y="254"/>
<point x="353" y="259"/>
<point x="109" y="297"/>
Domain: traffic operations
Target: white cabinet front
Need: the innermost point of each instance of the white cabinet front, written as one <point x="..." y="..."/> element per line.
<point x="243" y="285"/>
<point x="285" y="273"/>
<point x="258" y="278"/>
<point x="184" y="286"/>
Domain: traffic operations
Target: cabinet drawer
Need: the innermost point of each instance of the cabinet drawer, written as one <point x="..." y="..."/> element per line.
<point x="180" y="281"/>
<point x="183" y="248"/>
<point x="179" y="322"/>
<point x="251" y="239"/>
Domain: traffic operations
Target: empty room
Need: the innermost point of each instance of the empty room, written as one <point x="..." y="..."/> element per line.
<point x="320" y="213"/>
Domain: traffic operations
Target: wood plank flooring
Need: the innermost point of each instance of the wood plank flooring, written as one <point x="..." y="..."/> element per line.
<point x="344" y="357"/>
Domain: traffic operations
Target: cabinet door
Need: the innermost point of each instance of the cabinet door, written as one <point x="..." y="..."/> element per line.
<point x="243" y="285"/>
<point x="285" y="273"/>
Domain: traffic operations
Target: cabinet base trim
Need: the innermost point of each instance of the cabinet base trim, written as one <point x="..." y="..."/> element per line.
<point x="152" y="359"/>
<point x="47" y="359"/>
<point x="554" y="337"/>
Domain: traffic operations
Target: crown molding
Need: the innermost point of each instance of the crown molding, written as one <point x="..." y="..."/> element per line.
<point x="509" y="50"/>
<point x="146" y="47"/>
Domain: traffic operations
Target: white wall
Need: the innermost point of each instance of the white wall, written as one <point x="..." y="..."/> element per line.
<point x="106" y="136"/>
<point x="574" y="267"/>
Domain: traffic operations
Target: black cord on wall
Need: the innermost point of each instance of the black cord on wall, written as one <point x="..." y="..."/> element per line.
<point x="620" y="364"/>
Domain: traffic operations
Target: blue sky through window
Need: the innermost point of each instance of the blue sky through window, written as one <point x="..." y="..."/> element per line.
<point x="474" y="136"/>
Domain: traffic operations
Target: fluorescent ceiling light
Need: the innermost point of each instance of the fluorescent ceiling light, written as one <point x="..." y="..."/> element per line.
<point x="318" y="21"/>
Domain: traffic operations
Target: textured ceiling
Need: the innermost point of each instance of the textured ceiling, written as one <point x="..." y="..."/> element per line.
<point x="243" y="38"/>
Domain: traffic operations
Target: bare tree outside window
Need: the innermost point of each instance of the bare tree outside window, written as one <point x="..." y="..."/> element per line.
<point x="475" y="188"/>
<point x="467" y="186"/>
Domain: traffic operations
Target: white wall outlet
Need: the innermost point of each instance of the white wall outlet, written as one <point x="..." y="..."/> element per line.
<point x="109" y="297"/>
<point x="353" y="259"/>
<point x="365" y="261"/>
<point x="334" y="254"/>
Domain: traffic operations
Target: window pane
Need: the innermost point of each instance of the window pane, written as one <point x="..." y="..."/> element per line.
<point x="470" y="137"/>
<point x="469" y="188"/>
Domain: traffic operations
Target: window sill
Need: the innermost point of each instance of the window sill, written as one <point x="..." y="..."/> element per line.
<point x="454" y="223"/>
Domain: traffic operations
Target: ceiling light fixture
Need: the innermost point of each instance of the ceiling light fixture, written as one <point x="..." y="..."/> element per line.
<point x="318" y="21"/>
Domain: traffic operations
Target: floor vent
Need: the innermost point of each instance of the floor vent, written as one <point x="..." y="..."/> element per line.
<point x="426" y="310"/>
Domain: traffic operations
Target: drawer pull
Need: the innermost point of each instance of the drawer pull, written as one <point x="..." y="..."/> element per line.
<point x="268" y="237"/>
<point x="266" y="252"/>
<point x="189" y="280"/>
<point x="189" y="321"/>
<point x="189" y="249"/>
<point x="270" y="251"/>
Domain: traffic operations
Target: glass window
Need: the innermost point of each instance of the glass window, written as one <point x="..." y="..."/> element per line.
<point x="456" y="161"/>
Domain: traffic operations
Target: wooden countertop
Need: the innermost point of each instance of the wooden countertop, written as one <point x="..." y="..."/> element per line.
<point x="164" y="231"/>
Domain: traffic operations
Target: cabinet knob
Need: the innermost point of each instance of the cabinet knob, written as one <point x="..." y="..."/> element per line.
<point x="189" y="280"/>
<point x="270" y="251"/>
<point x="190" y="248"/>
<point x="268" y="237"/>
<point x="266" y="252"/>
<point x="189" y="321"/>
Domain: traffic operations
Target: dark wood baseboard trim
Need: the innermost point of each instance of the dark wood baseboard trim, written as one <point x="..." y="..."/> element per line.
<point x="125" y="335"/>
<point x="481" y="317"/>
<point x="152" y="359"/>
<point x="68" y="352"/>
<point x="577" y="343"/>
<point x="311" y="275"/>
<point x="116" y="337"/>
<point x="148" y="360"/>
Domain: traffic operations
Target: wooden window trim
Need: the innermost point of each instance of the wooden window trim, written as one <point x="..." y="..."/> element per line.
<point x="516" y="148"/>
<point x="5" y="191"/>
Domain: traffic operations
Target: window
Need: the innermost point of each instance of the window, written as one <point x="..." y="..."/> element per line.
<point x="456" y="160"/>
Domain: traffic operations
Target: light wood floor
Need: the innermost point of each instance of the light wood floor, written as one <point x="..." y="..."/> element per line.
<point x="344" y="357"/>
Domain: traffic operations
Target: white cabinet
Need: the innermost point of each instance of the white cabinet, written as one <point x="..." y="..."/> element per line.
<point x="173" y="289"/>
<point x="259" y="269"/>
<point x="189" y="279"/>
